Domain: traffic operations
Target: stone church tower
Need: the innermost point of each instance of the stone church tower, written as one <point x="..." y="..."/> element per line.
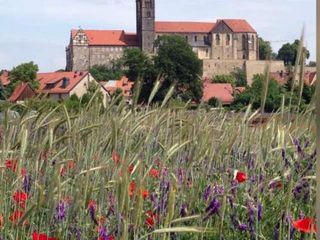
<point x="146" y="25"/>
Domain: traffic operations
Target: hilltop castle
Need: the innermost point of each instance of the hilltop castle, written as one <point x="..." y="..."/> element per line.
<point x="226" y="40"/>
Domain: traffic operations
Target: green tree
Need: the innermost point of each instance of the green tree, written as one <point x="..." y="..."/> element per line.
<point x="254" y="95"/>
<point x="265" y="49"/>
<point x="178" y="64"/>
<point x="137" y="64"/>
<point x="240" y="77"/>
<point x="106" y="73"/>
<point x="288" y="52"/>
<point x="214" y="102"/>
<point x="26" y="72"/>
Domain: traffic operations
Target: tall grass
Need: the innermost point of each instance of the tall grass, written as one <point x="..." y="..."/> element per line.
<point x="79" y="169"/>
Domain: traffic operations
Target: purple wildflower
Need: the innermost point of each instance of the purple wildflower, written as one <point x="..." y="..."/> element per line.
<point x="243" y="227"/>
<point x="213" y="208"/>
<point x="183" y="210"/>
<point x="218" y="189"/>
<point x="92" y="212"/>
<point x="207" y="193"/>
<point x="276" y="232"/>
<point x="180" y="175"/>
<point x="251" y="217"/>
<point x="26" y="184"/>
<point x="103" y="233"/>
<point x="259" y="211"/>
<point x="60" y="211"/>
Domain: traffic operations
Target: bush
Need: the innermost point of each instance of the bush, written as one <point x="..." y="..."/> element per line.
<point x="214" y="102"/>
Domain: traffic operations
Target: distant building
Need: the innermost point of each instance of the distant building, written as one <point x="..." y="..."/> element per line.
<point x="4" y="78"/>
<point x="62" y="85"/>
<point x="225" y="39"/>
<point x="22" y="92"/>
<point x="58" y="86"/>
<point x="123" y="84"/>
<point x="221" y="91"/>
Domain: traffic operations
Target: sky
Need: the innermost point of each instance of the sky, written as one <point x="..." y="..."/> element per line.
<point x="39" y="30"/>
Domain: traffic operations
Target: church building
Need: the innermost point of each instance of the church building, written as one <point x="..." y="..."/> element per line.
<point x="225" y="39"/>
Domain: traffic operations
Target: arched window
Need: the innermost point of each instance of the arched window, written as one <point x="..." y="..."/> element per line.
<point x="228" y="39"/>
<point x="217" y="39"/>
<point x="252" y="41"/>
<point x="244" y="42"/>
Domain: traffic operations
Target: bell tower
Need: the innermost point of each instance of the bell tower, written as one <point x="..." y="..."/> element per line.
<point x="145" y="25"/>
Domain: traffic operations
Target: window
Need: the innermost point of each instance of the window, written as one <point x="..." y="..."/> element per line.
<point x="244" y="42"/>
<point x="228" y="39"/>
<point x="187" y="38"/>
<point x="252" y="41"/>
<point x="244" y="56"/>
<point x="217" y="39"/>
<point x="148" y="14"/>
<point x="148" y="4"/>
<point x="196" y="38"/>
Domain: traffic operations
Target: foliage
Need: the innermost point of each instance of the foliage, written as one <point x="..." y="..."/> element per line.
<point x="106" y="73"/>
<point x="312" y="64"/>
<point x="254" y="94"/>
<point x="240" y="77"/>
<point x="214" y="102"/>
<point x="265" y="50"/>
<point x="117" y="96"/>
<point x="137" y="64"/>
<point x="224" y="78"/>
<point x="179" y="65"/>
<point x="25" y="72"/>
<point x="288" y="52"/>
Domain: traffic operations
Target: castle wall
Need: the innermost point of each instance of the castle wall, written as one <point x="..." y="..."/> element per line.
<point x="259" y="67"/>
<point x="212" y="67"/>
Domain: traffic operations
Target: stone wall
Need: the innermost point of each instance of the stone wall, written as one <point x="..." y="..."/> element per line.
<point x="213" y="67"/>
<point x="259" y="67"/>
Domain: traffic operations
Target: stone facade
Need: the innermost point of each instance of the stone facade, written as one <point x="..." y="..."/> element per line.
<point x="226" y="44"/>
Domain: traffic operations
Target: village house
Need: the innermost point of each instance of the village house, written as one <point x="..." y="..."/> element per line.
<point x="58" y="86"/>
<point x="122" y="84"/>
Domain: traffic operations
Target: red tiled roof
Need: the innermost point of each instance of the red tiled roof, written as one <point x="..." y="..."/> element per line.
<point x="238" y="25"/>
<point x="280" y="77"/>
<point x="222" y="91"/>
<point x="56" y="79"/>
<point x="124" y="84"/>
<point x="109" y="37"/>
<point x="4" y="78"/>
<point x="183" y="27"/>
<point x="21" y="91"/>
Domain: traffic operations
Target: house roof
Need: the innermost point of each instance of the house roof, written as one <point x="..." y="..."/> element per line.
<point x="124" y="84"/>
<point x="55" y="79"/>
<point x="184" y="27"/>
<point x="18" y="91"/>
<point x="108" y="37"/>
<point x="4" y="78"/>
<point x="222" y="91"/>
<point x="237" y="25"/>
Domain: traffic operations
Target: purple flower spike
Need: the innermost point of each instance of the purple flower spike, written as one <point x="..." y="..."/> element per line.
<point x="207" y="193"/>
<point x="243" y="227"/>
<point x="61" y="211"/>
<point x="259" y="211"/>
<point x="184" y="210"/>
<point x="26" y="184"/>
<point x="213" y="208"/>
<point x="103" y="233"/>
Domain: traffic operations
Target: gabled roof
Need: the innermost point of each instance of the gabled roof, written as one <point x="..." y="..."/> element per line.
<point x="4" y="78"/>
<point x="108" y="37"/>
<point x="20" y="90"/>
<point x="237" y="25"/>
<point x="183" y="27"/>
<point x="55" y="79"/>
<point x="222" y="91"/>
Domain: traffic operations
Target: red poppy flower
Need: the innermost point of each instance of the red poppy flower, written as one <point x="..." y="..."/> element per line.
<point x="115" y="157"/>
<point x="306" y="225"/>
<point x="20" y="198"/>
<point x="154" y="173"/>
<point x="92" y="204"/>
<point x="15" y="216"/>
<point x="41" y="236"/>
<point x="151" y="219"/>
<point x="108" y="238"/>
<point x="132" y="188"/>
<point x="240" y="176"/>
<point x="12" y="165"/>
<point x="130" y="168"/>
<point x="1" y="221"/>
<point x="23" y="172"/>
<point x="145" y="194"/>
